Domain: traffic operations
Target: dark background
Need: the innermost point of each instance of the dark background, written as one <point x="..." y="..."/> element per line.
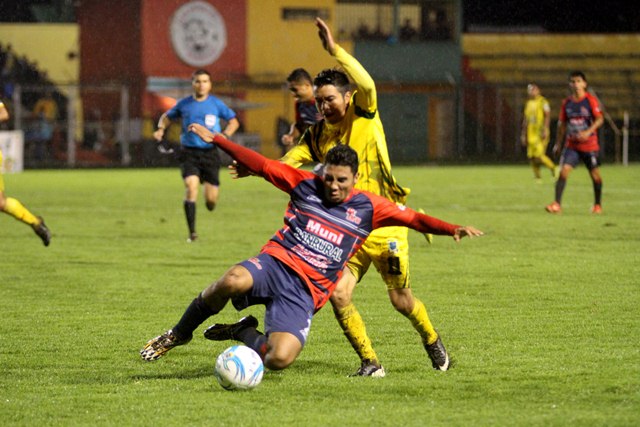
<point x="613" y="16"/>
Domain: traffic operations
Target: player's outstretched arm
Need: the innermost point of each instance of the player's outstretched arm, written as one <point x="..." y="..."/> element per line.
<point x="466" y="230"/>
<point x="205" y="134"/>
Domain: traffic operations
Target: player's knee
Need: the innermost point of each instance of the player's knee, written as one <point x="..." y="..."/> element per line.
<point x="235" y="281"/>
<point x="340" y="299"/>
<point x="278" y="358"/>
<point x="402" y="301"/>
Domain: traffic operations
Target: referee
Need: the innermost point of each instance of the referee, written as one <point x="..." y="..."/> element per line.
<point x="199" y="161"/>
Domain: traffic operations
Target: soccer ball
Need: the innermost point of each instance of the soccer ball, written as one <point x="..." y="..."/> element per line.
<point x="239" y="368"/>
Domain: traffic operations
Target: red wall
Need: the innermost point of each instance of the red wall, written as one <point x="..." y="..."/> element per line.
<point x="158" y="56"/>
<point x="126" y="41"/>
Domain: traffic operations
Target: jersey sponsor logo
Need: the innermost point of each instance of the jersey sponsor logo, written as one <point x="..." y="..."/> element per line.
<point x="320" y="245"/>
<point x="325" y="232"/>
<point x="210" y="120"/>
<point x="255" y="261"/>
<point x="318" y="261"/>
<point x="352" y="216"/>
<point x="198" y="33"/>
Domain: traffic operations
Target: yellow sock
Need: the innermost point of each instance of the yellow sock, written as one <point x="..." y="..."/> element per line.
<point x="420" y="320"/>
<point x="547" y="162"/>
<point x="353" y="326"/>
<point x="14" y="208"/>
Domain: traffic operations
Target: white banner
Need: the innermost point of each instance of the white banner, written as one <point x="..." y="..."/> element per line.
<point x="12" y="147"/>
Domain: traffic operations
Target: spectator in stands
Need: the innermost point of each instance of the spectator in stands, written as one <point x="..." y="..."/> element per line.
<point x="362" y="32"/>
<point x="407" y="32"/>
<point x="8" y="63"/>
<point x="535" y="131"/>
<point x="442" y="29"/>
<point x="93" y="133"/>
<point x="45" y="114"/>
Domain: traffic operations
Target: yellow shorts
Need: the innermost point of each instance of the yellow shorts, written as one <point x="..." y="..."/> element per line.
<point x="388" y="249"/>
<point x="536" y="149"/>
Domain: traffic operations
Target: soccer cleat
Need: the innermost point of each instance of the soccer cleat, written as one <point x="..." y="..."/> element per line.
<point x="224" y="332"/>
<point x="596" y="209"/>
<point x="158" y="346"/>
<point x="42" y="231"/>
<point x="554" y="208"/>
<point x="192" y="238"/>
<point x="438" y="355"/>
<point x="428" y="236"/>
<point x="369" y="368"/>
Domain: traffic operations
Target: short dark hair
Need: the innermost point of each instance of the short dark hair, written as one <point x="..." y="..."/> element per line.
<point x="299" y="75"/>
<point x="577" y="74"/>
<point x="200" y="72"/>
<point x="332" y="76"/>
<point x="342" y="155"/>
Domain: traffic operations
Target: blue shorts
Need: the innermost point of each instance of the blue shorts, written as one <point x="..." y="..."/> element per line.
<point x="591" y="159"/>
<point x="289" y="305"/>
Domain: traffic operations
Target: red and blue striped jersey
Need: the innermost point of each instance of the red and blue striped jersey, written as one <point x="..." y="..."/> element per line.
<point x="578" y="116"/>
<point x="319" y="237"/>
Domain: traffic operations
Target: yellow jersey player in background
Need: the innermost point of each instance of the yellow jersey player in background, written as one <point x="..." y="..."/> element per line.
<point x="13" y="207"/>
<point x="351" y="118"/>
<point x="535" y="131"/>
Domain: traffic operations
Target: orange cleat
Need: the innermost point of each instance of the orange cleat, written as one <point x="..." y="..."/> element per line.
<point x="554" y="208"/>
<point x="596" y="209"/>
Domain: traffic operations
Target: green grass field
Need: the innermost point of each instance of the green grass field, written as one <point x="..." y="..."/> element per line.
<point x="541" y="315"/>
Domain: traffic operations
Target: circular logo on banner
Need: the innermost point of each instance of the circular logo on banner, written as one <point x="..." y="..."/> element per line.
<point x="198" y="33"/>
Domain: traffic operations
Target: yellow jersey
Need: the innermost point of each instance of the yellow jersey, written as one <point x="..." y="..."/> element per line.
<point x="361" y="129"/>
<point x="534" y="111"/>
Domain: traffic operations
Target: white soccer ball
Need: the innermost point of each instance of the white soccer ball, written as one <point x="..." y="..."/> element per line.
<point x="239" y="368"/>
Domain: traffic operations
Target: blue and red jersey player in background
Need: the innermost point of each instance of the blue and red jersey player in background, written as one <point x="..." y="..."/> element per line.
<point x="325" y="223"/>
<point x="580" y="118"/>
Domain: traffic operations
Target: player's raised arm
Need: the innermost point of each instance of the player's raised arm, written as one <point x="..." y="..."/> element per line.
<point x="326" y="37"/>
<point x="366" y="86"/>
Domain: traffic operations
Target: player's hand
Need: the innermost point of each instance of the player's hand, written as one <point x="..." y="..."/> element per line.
<point x="287" y="140"/>
<point x="325" y="36"/>
<point x="236" y="170"/>
<point x="158" y="134"/>
<point x="467" y="230"/>
<point x="583" y="135"/>
<point x="555" y="150"/>
<point x="202" y="132"/>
